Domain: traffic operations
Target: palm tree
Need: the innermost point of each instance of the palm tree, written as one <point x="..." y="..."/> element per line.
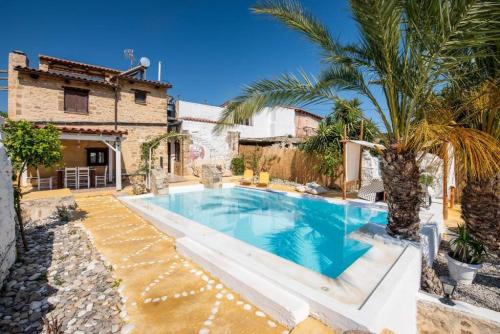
<point x="476" y="104"/>
<point x="406" y="48"/>
<point x="327" y="141"/>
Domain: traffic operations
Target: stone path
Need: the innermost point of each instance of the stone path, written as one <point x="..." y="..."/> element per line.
<point x="61" y="277"/>
<point x="163" y="292"/>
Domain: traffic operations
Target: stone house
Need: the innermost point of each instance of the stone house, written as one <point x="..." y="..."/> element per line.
<point x="104" y="114"/>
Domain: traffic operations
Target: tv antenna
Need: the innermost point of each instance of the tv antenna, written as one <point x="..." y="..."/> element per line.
<point x="129" y="54"/>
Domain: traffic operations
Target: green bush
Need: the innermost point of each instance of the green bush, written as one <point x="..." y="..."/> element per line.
<point x="238" y="165"/>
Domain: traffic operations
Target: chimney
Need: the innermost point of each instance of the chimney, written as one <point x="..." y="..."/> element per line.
<point x="16" y="58"/>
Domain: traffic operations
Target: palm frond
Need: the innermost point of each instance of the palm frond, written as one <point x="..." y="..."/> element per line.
<point x="286" y="90"/>
<point x="478" y="152"/>
<point x="341" y="77"/>
<point x="294" y="16"/>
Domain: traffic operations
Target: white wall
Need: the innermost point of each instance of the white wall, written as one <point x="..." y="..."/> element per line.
<point x="7" y="214"/>
<point x="216" y="147"/>
<point x="278" y="121"/>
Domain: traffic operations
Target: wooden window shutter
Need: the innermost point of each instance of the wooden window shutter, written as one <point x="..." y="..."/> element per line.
<point x="76" y="100"/>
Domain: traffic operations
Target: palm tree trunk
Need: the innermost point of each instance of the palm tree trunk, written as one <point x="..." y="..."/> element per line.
<point x="400" y="174"/>
<point x="481" y="210"/>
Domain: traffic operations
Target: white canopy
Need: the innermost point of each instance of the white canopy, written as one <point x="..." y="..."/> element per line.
<point x="353" y="156"/>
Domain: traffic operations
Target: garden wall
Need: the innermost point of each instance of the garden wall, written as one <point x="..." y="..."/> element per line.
<point x="7" y="214"/>
<point x="436" y="317"/>
<point x="292" y="164"/>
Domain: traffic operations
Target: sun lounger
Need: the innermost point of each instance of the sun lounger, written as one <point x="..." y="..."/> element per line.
<point x="247" y="178"/>
<point x="263" y="179"/>
<point x="369" y="191"/>
<point x="315" y="189"/>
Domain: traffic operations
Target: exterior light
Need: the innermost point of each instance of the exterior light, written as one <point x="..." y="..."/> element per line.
<point x="449" y="286"/>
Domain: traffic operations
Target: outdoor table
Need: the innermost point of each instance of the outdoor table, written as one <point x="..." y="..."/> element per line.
<point x="60" y="177"/>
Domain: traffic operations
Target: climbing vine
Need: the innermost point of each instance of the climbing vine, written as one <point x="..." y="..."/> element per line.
<point x="150" y="146"/>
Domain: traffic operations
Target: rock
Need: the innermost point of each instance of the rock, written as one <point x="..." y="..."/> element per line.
<point x="35" y="276"/>
<point x="36" y="305"/>
<point x="78" y="289"/>
<point x="127" y="329"/>
<point x="35" y="316"/>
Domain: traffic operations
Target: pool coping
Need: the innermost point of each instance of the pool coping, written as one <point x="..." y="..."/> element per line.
<point x="339" y="315"/>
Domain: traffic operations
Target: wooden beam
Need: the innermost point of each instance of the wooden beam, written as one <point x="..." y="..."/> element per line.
<point x="118" y="164"/>
<point x="360" y="154"/>
<point x="344" y="164"/>
<point x="445" y="181"/>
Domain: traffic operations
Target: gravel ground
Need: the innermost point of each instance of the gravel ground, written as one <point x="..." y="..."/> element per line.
<point x="61" y="277"/>
<point x="485" y="290"/>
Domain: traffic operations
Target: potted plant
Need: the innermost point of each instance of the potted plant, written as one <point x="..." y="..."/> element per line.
<point x="465" y="257"/>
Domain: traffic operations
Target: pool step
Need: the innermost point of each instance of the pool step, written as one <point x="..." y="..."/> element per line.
<point x="284" y="307"/>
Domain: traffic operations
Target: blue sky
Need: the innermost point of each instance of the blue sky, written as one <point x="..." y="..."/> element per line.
<point x="209" y="48"/>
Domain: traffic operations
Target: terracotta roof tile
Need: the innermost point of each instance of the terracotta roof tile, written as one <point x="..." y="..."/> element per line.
<point x="62" y="75"/>
<point x="150" y="82"/>
<point x="76" y="63"/>
<point x="67" y="129"/>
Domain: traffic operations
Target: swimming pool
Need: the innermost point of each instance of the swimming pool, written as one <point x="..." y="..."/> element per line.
<point x="313" y="233"/>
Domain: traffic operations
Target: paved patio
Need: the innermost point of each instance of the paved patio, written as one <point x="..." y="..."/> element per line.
<point x="164" y="292"/>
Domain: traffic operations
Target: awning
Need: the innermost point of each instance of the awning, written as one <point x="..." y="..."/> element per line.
<point x="89" y="131"/>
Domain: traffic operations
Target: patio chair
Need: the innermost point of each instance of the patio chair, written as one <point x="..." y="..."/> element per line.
<point x="70" y="177"/>
<point x="43" y="183"/>
<point x="247" y="178"/>
<point x="263" y="179"/>
<point x="101" y="179"/>
<point x="369" y="191"/>
<point x="83" y="177"/>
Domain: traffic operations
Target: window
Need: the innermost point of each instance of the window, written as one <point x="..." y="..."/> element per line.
<point x="246" y="121"/>
<point x="76" y="100"/>
<point x="97" y="156"/>
<point x="140" y="96"/>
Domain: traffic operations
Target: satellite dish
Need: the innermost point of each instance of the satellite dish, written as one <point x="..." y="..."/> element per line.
<point x="144" y="62"/>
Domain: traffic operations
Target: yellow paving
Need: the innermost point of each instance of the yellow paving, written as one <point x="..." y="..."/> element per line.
<point x="164" y="292"/>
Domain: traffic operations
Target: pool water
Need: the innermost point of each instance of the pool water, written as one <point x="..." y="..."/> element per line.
<point x="310" y="232"/>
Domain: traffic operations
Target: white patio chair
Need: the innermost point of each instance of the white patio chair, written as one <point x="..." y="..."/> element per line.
<point x="43" y="183"/>
<point x="70" y="178"/>
<point x="101" y="179"/>
<point x="83" y="177"/>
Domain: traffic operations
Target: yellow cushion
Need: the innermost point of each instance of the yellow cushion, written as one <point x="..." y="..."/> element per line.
<point x="264" y="178"/>
<point x="248" y="174"/>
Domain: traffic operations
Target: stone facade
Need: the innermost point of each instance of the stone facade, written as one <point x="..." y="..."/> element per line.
<point x="306" y="123"/>
<point x="159" y="182"/>
<point x="7" y="216"/>
<point x="435" y="318"/>
<point x="39" y="98"/>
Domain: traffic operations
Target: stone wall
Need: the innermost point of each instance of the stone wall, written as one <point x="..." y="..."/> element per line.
<point x="434" y="317"/>
<point x="7" y="217"/>
<point x="305" y="124"/>
<point x="41" y="99"/>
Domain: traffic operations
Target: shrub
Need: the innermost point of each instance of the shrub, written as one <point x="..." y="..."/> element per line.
<point x="426" y="179"/>
<point x="238" y="165"/>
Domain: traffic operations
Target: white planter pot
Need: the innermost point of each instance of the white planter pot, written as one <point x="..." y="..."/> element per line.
<point x="462" y="272"/>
